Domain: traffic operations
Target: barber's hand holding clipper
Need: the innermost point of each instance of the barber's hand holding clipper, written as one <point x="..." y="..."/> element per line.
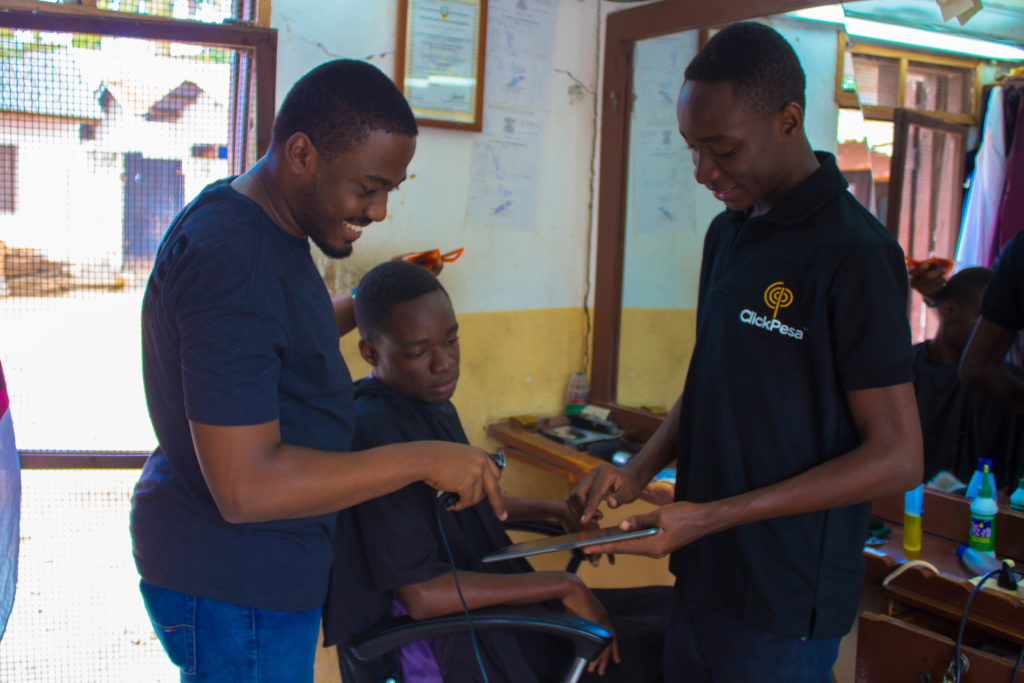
<point x="462" y="482"/>
<point x="454" y="499"/>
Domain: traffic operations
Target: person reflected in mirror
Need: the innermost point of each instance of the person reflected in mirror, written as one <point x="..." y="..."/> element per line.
<point x="798" y="407"/>
<point x="392" y="555"/>
<point x="250" y="399"/>
<point x="958" y="424"/>
<point x="1000" y="323"/>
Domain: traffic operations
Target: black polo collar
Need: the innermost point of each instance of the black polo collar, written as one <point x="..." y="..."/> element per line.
<point x="818" y="189"/>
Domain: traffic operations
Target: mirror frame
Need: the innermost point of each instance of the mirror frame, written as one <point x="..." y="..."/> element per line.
<point x="623" y="29"/>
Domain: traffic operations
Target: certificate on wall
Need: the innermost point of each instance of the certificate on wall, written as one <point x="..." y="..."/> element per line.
<point x="440" y="60"/>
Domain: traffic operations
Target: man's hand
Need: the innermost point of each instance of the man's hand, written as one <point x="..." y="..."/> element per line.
<point x="928" y="279"/>
<point x="618" y="485"/>
<point x="680" y="523"/>
<point x="583" y="603"/>
<point x="466" y="471"/>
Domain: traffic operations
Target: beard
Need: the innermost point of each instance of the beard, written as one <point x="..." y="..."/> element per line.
<point x="316" y="221"/>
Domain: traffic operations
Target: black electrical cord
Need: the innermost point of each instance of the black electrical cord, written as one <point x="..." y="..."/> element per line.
<point x="963" y="618"/>
<point x="1016" y="667"/>
<point x="458" y="589"/>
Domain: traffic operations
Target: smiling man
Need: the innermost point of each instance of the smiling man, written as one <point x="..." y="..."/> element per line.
<point x="250" y="399"/>
<point x="798" y="405"/>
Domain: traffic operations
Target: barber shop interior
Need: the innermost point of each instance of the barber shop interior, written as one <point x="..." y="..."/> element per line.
<point x="740" y="286"/>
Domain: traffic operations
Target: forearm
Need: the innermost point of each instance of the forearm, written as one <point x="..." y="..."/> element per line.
<point x="536" y="510"/>
<point x="287" y="481"/>
<point x="659" y="451"/>
<point x="344" y="313"/>
<point x="438" y="596"/>
<point x="982" y="367"/>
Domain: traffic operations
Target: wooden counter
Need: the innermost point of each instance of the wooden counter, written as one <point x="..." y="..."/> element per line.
<point x="533" y="448"/>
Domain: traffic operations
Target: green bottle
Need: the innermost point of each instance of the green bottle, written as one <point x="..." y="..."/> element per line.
<point x="983" y="519"/>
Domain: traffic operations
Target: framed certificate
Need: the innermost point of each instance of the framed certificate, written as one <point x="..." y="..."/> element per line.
<point x="440" y="61"/>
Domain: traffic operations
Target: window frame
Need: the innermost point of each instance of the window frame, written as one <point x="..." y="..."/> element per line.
<point x="9" y="184"/>
<point x="848" y="99"/>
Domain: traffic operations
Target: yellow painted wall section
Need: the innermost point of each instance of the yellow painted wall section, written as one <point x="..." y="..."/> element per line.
<point x="655" y="346"/>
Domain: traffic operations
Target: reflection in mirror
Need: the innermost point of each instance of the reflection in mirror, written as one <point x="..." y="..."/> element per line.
<point x="668" y="213"/>
<point x="922" y="102"/>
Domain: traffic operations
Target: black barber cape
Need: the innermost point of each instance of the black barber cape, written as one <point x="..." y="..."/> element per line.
<point x="397" y="536"/>
<point x="960" y="425"/>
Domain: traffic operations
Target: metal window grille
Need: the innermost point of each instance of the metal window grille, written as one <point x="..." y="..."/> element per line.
<point x="108" y="123"/>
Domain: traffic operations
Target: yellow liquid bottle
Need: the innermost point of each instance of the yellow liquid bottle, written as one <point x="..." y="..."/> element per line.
<point x="913" y="501"/>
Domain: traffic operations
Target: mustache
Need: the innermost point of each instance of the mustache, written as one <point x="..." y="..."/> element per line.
<point x="360" y="222"/>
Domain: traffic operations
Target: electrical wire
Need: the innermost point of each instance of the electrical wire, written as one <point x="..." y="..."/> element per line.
<point x="458" y="589"/>
<point x="963" y="618"/>
<point x="1016" y="667"/>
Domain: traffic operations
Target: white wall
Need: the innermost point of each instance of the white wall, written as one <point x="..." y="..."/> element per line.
<point x="541" y="266"/>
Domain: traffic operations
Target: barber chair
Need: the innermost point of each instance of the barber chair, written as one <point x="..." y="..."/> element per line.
<point x="361" y="658"/>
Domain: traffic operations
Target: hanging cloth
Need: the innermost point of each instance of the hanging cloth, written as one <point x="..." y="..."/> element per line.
<point x="1010" y="218"/>
<point x="979" y="221"/>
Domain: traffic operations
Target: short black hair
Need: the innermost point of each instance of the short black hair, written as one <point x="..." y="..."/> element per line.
<point x="384" y="287"/>
<point x="965" y="284"/>
<point x="339" y="103"/>
<point x="757" y="61"/>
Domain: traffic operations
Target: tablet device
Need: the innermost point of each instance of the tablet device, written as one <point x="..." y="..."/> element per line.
<point x="566" y="542"/>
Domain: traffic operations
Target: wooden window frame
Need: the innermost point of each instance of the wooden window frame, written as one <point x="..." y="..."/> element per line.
<point x="848" y="99"/>
<point x="9" y="186"/>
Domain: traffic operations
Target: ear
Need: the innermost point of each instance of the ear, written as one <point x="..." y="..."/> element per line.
<point x="790" y="120"/>
<point x="300" y="154"/>
<point x="368" y="351"/>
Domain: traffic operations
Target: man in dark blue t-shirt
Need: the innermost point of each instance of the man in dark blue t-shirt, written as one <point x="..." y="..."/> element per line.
<point x="798" y="405"/>
<point x="250" y="398"/>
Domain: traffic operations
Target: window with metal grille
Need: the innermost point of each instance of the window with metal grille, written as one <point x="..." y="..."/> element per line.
<point x="109" y="123"/>
<point x="105" y="133"/>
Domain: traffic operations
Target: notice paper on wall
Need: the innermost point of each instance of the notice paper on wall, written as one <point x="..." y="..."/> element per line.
<point x="508" y="156"/>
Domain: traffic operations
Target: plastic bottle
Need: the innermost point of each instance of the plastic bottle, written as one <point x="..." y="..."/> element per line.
<point x="1017" y="498"/>
<point x="913" y="501"/>
<point x="983" y="519"/>
<point x="576" y="394"/>
<point x="975" y="484"/>
<point x="976" y="563"/>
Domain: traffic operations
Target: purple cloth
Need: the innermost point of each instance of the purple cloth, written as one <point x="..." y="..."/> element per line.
<point x="1010" y="218"/>
<point x="418" y="663"/>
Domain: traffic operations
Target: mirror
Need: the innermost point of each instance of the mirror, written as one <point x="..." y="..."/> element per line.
<point x="667" y="212"/>
<point x="653" y="215"/>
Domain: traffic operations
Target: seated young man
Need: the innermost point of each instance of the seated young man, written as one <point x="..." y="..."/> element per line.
<point x="959" y="424"/>
<point x="409" y="335"/>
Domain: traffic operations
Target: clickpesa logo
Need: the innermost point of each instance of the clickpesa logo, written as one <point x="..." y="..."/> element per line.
<point x="776" y="296"/>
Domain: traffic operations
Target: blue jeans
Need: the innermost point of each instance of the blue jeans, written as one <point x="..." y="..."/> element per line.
<point x="217" y="642"/>
<point x="702" y="646"/>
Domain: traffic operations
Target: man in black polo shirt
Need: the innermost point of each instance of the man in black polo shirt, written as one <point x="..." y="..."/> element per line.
<point x="798" y="405"/>
<point x="1002" y="316"/>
